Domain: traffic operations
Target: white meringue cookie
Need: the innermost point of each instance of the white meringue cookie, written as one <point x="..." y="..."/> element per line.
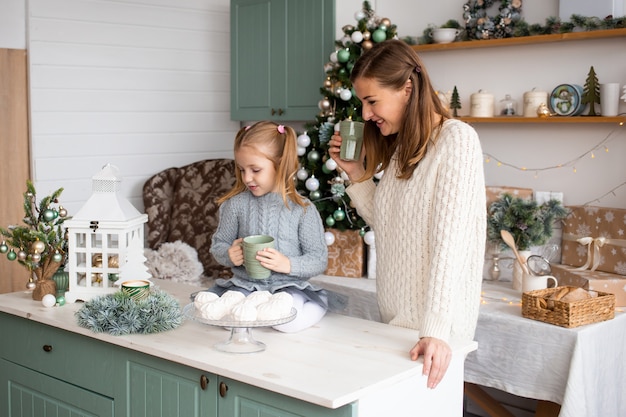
<point x="257" y="297"/>
<point x="244" y="312"/>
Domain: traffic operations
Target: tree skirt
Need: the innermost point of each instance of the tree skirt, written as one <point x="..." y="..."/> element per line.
<point x="118" y="314"/>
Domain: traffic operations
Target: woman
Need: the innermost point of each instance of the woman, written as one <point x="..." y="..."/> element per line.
<point x="428" y="210"/>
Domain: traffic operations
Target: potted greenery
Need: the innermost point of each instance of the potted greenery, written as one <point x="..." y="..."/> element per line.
<point x="40" y="245"/>
<point x="529" y="223"/>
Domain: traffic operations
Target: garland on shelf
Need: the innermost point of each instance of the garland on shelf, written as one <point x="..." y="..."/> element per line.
<point x="577" y="22"/>
<point x="118" y="314"/>
<point x="508" y="23"/>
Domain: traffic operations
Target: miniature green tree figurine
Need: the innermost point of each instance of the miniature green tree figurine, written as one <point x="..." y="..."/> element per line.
<point x="455" y="102"/>
<point x="591" y="92"/>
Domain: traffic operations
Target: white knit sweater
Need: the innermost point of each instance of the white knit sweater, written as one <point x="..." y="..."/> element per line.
<point x="430" y="237"/>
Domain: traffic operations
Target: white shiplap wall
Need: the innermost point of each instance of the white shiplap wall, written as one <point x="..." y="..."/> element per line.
<point x="142" y="84"/>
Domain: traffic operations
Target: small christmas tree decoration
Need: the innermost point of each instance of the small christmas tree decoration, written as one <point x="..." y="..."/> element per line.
<point x="455" y="102"/>
<point x="41" y="244"/>
<point x="591" y="92"/>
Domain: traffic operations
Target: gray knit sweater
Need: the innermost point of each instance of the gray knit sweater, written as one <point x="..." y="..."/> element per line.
<point x="298" y="233"/>
<point x="430" y="236"/>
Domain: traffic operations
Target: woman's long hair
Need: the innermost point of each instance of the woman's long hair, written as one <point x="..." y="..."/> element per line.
<point x="391" y="63"/>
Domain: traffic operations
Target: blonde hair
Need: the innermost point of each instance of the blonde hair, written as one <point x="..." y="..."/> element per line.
<point x="278" y="144"/>
<point x="391" y="63"/>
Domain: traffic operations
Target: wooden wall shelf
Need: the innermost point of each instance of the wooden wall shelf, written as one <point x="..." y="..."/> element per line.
<point x="620" y="120"/>
<point x="522" y="40"/>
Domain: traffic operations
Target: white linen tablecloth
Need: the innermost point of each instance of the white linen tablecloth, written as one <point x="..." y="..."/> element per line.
<point x="581" y="368"/>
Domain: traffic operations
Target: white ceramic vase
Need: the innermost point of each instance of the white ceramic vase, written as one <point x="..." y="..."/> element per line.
<point x="518" y="272"/>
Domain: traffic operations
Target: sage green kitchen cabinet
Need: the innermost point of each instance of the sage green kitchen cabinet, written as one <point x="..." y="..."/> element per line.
<point x="43" y="368"/>
<point x="156" y="387"/>
<point x="237" y="399"/>
<point x="45" y="371"/>
<point x="28" y="393"/>
<point x="278" y="52"/>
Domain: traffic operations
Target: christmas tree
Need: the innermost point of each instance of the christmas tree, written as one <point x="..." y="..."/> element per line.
<point x="318" y="177"/>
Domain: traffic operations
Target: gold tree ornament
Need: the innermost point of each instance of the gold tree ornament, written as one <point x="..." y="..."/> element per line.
<point x="40" y="245"/>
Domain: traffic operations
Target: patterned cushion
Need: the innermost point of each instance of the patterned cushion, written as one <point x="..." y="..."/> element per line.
<point x="181" y="205"/>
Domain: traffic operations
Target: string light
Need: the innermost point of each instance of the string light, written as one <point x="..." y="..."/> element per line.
<point x="572" y="162"/>
<point x="611" y="191"/>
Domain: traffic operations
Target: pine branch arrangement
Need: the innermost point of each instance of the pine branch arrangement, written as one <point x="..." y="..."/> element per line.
<point x="118" y="314"/>
<point x="529" y="223"/>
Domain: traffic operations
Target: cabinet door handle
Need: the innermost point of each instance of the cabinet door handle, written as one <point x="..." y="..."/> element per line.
<point x="223" y="389"/>
<point x="47" y="348"/>
<point x="204" y="382"/>
<point x="279" y="112"/>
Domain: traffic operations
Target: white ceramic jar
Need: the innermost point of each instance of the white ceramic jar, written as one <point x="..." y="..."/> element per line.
<point x="482" y="104"/>
<point x="532" y="100"/>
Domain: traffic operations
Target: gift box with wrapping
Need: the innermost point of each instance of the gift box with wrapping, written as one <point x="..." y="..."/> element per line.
<point x="494" y="193"/>
<point x="595" y="237"/>
<point x="346" y="256"/>
<point x="592" y="280"/>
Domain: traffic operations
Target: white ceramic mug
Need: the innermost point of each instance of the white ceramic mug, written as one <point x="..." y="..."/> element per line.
<point x="537" y="282"/>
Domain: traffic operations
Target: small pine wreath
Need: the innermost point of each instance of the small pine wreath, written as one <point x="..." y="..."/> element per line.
<point x="479" y="25"/>
<point x="118" y="314"/>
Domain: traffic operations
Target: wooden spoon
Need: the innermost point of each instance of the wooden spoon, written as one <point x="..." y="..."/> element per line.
<point x="508" y="238"/>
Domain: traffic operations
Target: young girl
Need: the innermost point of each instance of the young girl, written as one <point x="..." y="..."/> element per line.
<point x="265" y="201"/>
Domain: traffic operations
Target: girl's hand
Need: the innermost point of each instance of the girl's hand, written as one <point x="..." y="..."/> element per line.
<point x="273" y="260"/>
<point x="437" y="355"/>
<point x="354" y="169"/>
<point x="235" y="252"/>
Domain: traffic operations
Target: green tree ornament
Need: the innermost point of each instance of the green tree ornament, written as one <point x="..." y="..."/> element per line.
<point x="591" y="92"/>
<point x="455" y="102"/>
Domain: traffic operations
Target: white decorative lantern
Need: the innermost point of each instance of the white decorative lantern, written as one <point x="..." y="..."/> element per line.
<point x="100" y="237"/>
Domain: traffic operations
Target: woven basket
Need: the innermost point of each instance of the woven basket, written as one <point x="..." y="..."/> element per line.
<point x="564" y="314"/>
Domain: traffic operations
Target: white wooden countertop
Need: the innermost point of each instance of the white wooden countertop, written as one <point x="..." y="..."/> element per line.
<point x="338" y="361"/>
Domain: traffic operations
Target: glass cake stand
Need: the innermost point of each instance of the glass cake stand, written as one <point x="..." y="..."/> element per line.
<point x="240" y="340"/>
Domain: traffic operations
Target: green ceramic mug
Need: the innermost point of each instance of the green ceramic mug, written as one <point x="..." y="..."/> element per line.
<point x="136" y="289"/>
<point x="351" y="140"/>
<point x="251" y="245"/>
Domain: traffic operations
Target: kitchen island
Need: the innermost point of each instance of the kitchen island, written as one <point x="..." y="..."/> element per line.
<point x="343" y="366"/>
